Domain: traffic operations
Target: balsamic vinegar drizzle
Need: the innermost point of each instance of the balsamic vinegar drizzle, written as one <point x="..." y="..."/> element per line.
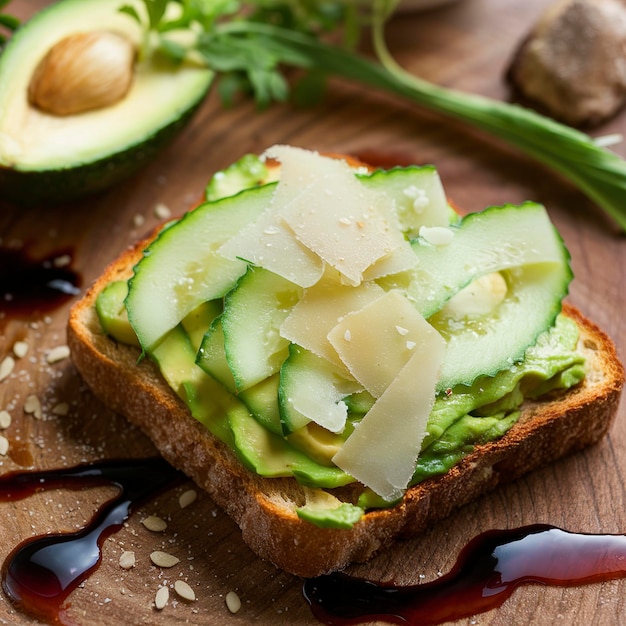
<point x="31" y="285"/>
<point x="40" y="573"/>
<point x="485" y="575"/>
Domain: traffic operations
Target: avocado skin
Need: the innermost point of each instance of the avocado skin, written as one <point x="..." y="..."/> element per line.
<point x="33" y="187"/>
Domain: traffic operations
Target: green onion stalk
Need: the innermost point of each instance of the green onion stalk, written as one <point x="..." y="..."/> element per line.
<point x="598" y="172"/>
<point x="247" y="43"/>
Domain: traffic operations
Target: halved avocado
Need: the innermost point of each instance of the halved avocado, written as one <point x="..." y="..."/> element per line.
<point x="52" y="157"/>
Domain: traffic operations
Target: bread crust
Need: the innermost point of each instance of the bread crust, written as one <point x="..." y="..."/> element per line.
<point x="264" y="508"/>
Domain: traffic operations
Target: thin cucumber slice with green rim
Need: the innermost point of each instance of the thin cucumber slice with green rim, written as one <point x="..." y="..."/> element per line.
<point x="253" y="313"/>
<point x="537" y="276"/>
<point x="312" y="389"/>
<point x="181" y="268"/>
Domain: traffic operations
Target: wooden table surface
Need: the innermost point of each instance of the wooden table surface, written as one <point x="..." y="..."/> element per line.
<point x="466" y="45"/>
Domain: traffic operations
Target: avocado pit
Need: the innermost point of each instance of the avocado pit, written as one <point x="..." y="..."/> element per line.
<point x="83" y="72"/>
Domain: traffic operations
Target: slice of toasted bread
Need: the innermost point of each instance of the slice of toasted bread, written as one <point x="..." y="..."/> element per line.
<point x="264" y="508"/>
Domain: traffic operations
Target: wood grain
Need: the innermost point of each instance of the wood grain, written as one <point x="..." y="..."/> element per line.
<point x="465" y="45"/>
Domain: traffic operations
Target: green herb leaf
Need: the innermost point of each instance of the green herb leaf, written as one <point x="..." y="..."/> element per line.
<point x="250" y="43"/>
<point x="131" y="11"/>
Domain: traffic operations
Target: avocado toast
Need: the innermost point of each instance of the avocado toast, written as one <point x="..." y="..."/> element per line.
<point x="284" y="513"/>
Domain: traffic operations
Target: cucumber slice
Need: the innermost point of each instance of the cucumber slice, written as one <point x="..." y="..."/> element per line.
<point x="262" y="402"/>
<point x="181" y="269"/>
<point x="485" y="346"/>
<point x="490" y="241"/>
<point x="249" y="171"/>
<point x="415" y="193"/>
<point x="112" y="313"/>
<point x="312" y="389"/>
<point x="211" y="356"/>
<point x="198" y="322"/>
<point x="253" y="313"/>
<point x="537" y="277"/>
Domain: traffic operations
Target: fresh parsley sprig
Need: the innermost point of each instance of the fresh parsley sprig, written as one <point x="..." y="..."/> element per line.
<point x="249" y="44"/>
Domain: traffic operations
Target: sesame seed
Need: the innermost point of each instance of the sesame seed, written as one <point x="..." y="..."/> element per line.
<point x="127" y="559"/>
<point x="162" y="211"/>
<point x="20" y="349"/>
<point x="57" y="354"/>
<point x="161" y="598"/>
<point x="6" y="367"/>
<point x="4" y="445"/>
<point x="154" y="523"/>
<point x="5" y="419"/>
<point x="184" y="590"/>
<point x="32" y="406"/>
<point x="187" y="498"/>
<point x="163" y="559"/>
<point x="233" y="602"/>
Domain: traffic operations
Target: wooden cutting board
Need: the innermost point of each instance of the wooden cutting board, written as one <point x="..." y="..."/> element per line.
<point x="465" y="45"/>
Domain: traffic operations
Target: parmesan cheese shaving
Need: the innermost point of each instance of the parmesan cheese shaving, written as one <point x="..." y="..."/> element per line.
<point x="319" y="311"/>
<point x="377" y="351"/>
<point x="383" y="449"/>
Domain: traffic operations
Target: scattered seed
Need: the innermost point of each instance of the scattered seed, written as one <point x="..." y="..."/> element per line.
<point x="32" y="406"/>
<point x="62" y="261"/>
<point x="61" y="409"/>
<point x="127" y="559"/>
<point x="161" y="598"/>
<point x="162" y="212"/>
<point x="4" y="445"/>
<point x="6" y="367"/>
<point x="163" y="559"/>
<point x="187" y="498"/>
<point x="154" y="523"/>
<point x="184" y="590"/>
<point x="20" y="349"/>
<point x="139" y="220"/>
<point x="233" y="602"/>
<point x="57" y="354"/>
<point x="5" y="419"/>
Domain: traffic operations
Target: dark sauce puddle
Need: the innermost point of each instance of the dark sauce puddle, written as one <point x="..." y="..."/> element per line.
<point x="40" y="573"/>
<point x="30" y="285"/>
<point x="487" y="572"/>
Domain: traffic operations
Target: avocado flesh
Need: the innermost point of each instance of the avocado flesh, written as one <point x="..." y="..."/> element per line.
<point x="462" y="418"/>
<point x="465" y="417"/>
<point x="43" y="155"/>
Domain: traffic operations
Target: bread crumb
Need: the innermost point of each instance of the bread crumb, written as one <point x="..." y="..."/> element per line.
<point x="187" y="498"/>
<point x="20" y="349"/>
<point x="4" y="445"/>
<point x="127" y="559"/>
<point x="32" y="406"/>
<point x="6" y="367"/>
<point x="5" y="419"/>
<point x="154" y="523"/>
<point x="161" y="598"/>
<point x="57" y="354"/>
<point x="184" y="590"/>
<point x="233" y="602"/>
<point x="163" y="559"/>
